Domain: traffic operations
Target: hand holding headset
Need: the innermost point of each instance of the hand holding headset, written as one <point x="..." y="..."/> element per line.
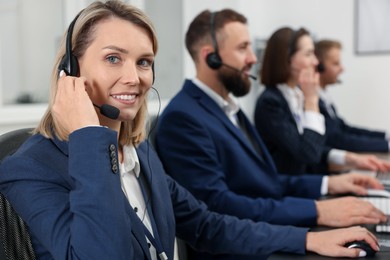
<point x="70" y="66"/>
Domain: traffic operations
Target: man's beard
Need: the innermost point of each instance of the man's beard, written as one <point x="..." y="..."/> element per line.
<point x="235" y="82"/>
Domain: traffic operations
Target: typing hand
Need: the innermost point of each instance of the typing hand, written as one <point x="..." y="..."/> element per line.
<point x="352" y="183"/>
<point x="347" y="211"/>
<point x="366" y="162"/>
<point x="332" y="242"/>
<point x="72" y="108"/>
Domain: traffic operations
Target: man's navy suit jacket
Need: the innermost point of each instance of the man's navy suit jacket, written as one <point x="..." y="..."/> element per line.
<point x="73" y="204"/>
<point x="293" y="152"/>
<point x="202" y="149"/>
<point x="340" y="135"/>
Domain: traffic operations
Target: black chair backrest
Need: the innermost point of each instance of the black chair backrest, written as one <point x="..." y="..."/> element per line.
<point x="10" y="142"/>
<point x="14" y="237"/>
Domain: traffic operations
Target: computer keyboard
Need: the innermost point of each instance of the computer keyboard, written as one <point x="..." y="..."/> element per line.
<point x="378" y="193"/>
<point x="384" y="205"/>
<point x="384" y="178"/>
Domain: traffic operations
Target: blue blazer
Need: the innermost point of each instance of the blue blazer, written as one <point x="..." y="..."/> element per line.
<point x="70" y="196"/>
<point x="292" y="152"/>
<point x="202" y="149"/>
<point x="340" y="135"/>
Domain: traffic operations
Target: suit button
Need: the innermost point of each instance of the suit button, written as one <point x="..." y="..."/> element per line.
<point x="113" y="161"/>
<point x="113" y="154"/>
<point x="114" y="168"/>
<point x="112" y="147"/>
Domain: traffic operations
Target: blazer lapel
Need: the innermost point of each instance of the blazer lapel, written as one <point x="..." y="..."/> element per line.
<point x="334" y="111"/>
<point x="253" y="132"/>
<point x="279" y="94"/>
<point x="212" y="108"/>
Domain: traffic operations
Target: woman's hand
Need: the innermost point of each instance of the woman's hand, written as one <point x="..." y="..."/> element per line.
<point x="72" y="108"/>
<point x="309" y="82"/>
<point x="366" y="162"/>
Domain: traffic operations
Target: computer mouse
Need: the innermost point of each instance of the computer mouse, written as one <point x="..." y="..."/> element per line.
<point x="363" y="245"/>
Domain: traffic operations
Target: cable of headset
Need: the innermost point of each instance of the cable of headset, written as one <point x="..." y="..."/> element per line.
<point x="152" y="127"/>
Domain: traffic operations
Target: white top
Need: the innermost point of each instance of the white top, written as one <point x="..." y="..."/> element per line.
<point x="310" y="119"/>
<point x="305" y="119"/>
<point x="129" y="173"/>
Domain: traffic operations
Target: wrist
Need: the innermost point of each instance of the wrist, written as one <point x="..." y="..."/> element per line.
<point x="331" y="185"/>
<point x="318" y="205"/>
<point x="311" y="245"/>
<point x="349" y="158"/>
<point x="311" y="104"/>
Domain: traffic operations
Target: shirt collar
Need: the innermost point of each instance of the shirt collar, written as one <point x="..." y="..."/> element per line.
<point x="325" y="96"/>
<point x="130" y="160"/>
<point x="294" y="97"/>
<point x="229" y="106"/>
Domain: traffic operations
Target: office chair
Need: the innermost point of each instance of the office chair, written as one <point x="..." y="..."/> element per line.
<point x="15" y="242"/>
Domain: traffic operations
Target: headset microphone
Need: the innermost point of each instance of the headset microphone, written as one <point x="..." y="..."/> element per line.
<point x="239" y="71"/>
<point x="320" y="67"/>
<point x="108" y="111"/>
<point x="70" y="66"/>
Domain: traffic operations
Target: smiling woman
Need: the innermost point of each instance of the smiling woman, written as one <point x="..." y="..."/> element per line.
<point x="119" y="70"/>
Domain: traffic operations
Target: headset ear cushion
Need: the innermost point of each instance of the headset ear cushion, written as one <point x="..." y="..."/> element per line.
<point x="69" y="65"/>
<point x="320" y="67"/>
<point x="63" y="65"/>
<point x="74" y="68"/>
<point x="213" y="60"/>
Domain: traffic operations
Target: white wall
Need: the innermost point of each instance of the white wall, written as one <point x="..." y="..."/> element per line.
<point x="363" y="96"/>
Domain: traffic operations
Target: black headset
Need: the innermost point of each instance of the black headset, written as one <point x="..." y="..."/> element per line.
<point x="69" y="63"/>
<point x="213" y="60"/>
<point x="321" y="67"/>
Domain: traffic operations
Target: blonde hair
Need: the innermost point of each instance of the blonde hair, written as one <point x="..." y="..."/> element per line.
<point x="83" y="34"/>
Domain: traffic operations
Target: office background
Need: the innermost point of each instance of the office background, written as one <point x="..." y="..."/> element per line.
<point x="29" y="41"/>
